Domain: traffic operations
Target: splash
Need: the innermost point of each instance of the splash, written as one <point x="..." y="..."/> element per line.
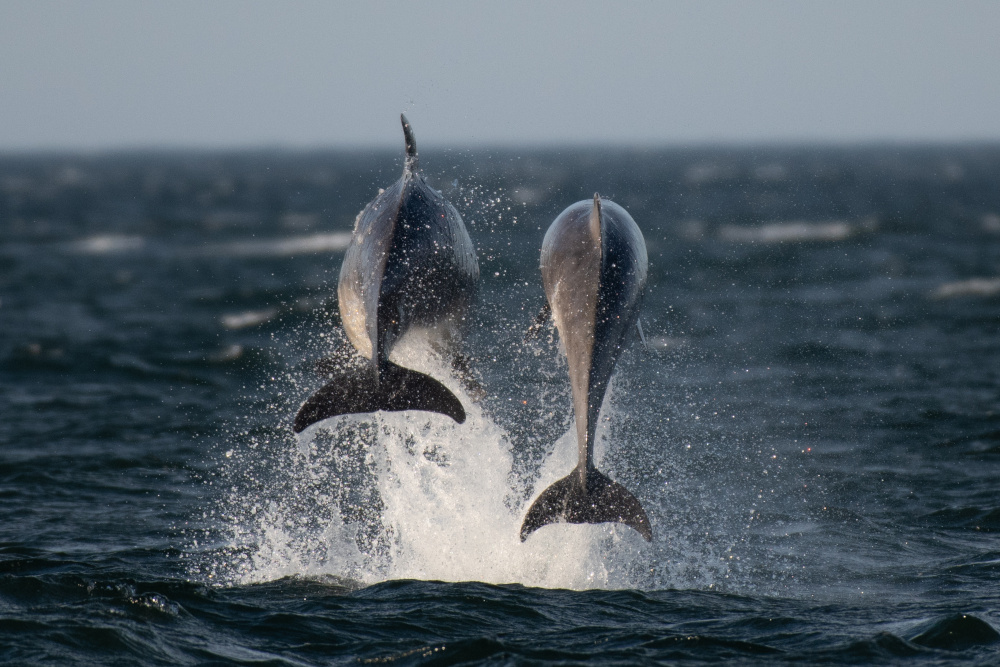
<point x="386" y="496"/>
<point x="410" y="495"/>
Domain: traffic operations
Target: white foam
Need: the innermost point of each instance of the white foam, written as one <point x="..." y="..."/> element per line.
<point x="452" y="522"/>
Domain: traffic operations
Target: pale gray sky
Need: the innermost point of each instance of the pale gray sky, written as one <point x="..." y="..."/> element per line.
<point x="112" y="74"/>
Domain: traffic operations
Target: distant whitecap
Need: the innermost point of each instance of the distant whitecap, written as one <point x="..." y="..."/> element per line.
<point x="971" y="287"/>
<point x="991" y="223"/>
<point x="103" y="244"/>
<point x="286" y="247"/>
<point x="789" y="232"/>
<point x="250" y="318"/>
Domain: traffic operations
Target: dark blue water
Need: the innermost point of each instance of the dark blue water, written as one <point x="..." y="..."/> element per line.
<point x="814" y="428"/>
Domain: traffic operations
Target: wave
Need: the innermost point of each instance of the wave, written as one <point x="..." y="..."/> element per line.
<point x="791" y="232"/>
<point x="971" y="287"/>
<point x="285" y="247"/>
<point x="109" y="244"/>
<point x="106" y="244"/>
<point x="249" y="318"/>
<point x="991" y="223"/>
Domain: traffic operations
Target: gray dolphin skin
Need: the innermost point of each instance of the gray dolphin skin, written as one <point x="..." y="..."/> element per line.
<point x="594" y="269"/>
<point x="410" y="264"/>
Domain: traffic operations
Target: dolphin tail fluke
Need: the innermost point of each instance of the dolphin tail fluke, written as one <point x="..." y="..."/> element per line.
<point x="356" y="391"/>
<point x="599" y="500"/>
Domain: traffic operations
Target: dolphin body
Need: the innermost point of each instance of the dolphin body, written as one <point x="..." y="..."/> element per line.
<point x="410" y="264"/>
<point x="594" y="269"/>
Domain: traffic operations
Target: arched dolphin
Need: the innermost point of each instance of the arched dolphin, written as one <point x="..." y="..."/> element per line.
<point x="594" y="270"/>
<point x="410" y="264"/>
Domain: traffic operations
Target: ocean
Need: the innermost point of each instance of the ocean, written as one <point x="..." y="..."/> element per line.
<point x="813" y="425"/>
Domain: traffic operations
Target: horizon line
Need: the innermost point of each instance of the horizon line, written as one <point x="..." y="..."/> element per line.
<point x="450" y="147"/>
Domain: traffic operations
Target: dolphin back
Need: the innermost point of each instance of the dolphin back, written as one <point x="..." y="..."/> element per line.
<point x="410" y="263"/>
<point x="431" y="271"/>
<point x="586" y="498"/>
<point x="624" y="267"/>
<point x="356" y="391"/>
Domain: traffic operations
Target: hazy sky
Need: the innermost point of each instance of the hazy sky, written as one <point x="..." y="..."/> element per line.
<point x="110" y="74"/>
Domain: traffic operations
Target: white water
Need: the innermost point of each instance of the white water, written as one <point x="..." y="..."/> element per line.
<point x="451" y="507"/>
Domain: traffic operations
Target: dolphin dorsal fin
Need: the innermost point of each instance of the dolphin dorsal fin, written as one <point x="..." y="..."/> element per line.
<point x="411" y="145"/>
<point x="595" y="219"/>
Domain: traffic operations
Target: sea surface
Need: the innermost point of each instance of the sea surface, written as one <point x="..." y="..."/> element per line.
<point x="813" y="425"/>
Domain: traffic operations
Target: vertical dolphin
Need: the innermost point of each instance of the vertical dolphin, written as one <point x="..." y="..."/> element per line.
<point x="410" y="264"/>
<point x="594" y="269"/>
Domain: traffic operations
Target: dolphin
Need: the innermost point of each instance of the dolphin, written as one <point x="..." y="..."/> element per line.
<point x="594" y="269"/>
<point x="410" y="264"/>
